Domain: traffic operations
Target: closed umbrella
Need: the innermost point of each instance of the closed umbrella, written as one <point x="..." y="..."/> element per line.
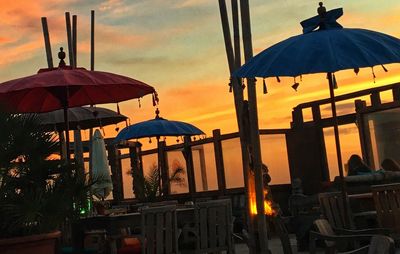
<point x="100" y="170"/>
<point x="325" y="46"/>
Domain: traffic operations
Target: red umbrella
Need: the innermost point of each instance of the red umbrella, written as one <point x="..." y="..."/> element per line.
<point x="65" y="87"/>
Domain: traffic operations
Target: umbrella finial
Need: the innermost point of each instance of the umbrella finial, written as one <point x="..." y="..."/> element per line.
<point x="321" y="10"/>
<point x="61" y="56"/>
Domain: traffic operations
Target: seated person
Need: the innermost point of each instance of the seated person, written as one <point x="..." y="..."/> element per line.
<point x="389" y="164"/>
<point x="357" y="166"/>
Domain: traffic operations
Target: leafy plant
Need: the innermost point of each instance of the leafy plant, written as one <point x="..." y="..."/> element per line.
<point x="147" y="188"/>
<point x="37" y="194"/>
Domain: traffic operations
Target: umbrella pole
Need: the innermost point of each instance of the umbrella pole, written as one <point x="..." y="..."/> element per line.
<point x="338" y="150"/>
<point x="67" y="133"/>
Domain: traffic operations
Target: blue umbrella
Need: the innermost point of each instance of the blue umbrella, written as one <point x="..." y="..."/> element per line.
<point x="157" y="127"/>
<point x="328" y="49"/>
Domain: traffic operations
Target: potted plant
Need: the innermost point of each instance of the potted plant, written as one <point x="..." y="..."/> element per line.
<point x="37" y="194"/>
<point x="147" y="188"/>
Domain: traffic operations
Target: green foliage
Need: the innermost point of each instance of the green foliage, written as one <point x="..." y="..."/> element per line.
<point x="36" y="194"/>
<point x="147" y="188"/>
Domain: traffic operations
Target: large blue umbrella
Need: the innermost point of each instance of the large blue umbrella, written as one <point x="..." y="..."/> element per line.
<point x="328" y="49"/>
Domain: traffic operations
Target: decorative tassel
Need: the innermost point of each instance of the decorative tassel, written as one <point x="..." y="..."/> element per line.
<point x="295" y="85"/>
<point x="177" y="139"/>
<point x="116" y="128"/>
<point x="126" y="123"/>
<point x="373" y="74"/>
<point x="356" y="70"/>
<point x="301" y="78"/>
<point x="265" y="91"/>
<point x="149" y="140"/>
<point x="335" y="86"/>
<point x="140" y="105"/>
<point x="243" y="85"/>
<point x="165" y="138"/>
<point x="278" y="79"/>
<point x="384" y="68"/>
<point x="154" y="100"/>
<point x="230" y="85"/>
<point x="118" y="109"/>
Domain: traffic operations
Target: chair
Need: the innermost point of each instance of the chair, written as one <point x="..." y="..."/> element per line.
<point x="387" y="204"/>
<point x="213" y="226"/>
<point x="332" y="207"/>
<point x="379" y="245"/>
<point x="159" y="230"/>
<point x="335" y="240"/>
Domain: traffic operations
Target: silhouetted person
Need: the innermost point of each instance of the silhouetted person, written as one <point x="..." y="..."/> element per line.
<point x="357" y="166"/>
<point x="389" y="164"/>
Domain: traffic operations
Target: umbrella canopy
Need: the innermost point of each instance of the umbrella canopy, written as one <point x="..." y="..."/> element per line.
<point x="100" y="171"/>
<point x="157" y="127"/>
<point x="324" y="50"/>
<point x="52" y="89"/>
<point x="329" y="49"/>
<point x="80" y="118"/>
<point x="65" y="87"/>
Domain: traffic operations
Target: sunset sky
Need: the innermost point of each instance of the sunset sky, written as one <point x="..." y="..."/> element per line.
<point x="177" y="46"/>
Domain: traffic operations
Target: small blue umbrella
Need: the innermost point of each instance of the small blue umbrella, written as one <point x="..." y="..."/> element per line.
<point x="328" y="49"/>
<point x="158" y="127"/>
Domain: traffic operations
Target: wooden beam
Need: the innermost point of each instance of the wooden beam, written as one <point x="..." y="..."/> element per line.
<point x="47" y="44"/>
<point x="350" y="95"/>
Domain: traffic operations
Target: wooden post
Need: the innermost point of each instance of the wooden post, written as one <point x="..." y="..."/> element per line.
<point x="187" y="151"/>
<point x="47" y="42"/>
<point x="134" y="155"/>
<point x="78" y="150"/>
<point x="163" y="167"/>
<point x="364" y="133"/>
<point x="219" y="160"/>
<point x="116" y="170"/>
<point x="69" y="39"/>
<point x="203" y="169"/>
<point x="254" y="130"/>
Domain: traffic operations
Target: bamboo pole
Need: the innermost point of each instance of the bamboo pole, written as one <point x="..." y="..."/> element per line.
<point x="248" y="177"/>
<point x="74" y="39"/>
<point x="234" y="62"/>
<point x="92" y="69"/>
<point x="254" y="130"/>
<point x="92" y="40"/>
<point x="69" y="39"/>
<point x="47" y="42"/>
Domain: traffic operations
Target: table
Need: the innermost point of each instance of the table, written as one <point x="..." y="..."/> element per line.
<point x="113" y="224"/>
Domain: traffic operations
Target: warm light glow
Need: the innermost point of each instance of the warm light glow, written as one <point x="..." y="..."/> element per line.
<point x="268" y="210"/>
